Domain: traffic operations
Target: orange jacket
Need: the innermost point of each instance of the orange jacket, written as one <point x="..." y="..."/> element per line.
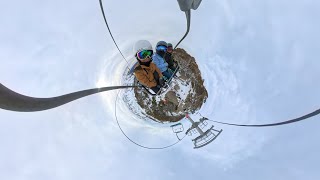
<point x="145" y="75"/>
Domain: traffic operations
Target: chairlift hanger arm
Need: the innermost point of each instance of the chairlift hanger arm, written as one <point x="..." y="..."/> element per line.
<point x="186" y="6"/>
<point x="188" y="17"/>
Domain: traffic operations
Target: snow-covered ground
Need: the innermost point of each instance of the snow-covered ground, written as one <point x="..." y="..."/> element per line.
<point x="260" y="62"/>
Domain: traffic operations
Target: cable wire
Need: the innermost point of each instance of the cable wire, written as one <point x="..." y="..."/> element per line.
<point x="115" y="43"/>
<point x="142" y="146"/>
<point x="314" y="113"/>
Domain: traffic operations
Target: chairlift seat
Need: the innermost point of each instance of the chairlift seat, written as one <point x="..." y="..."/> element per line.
<point x="206" y="138"/>
<point x="177" y="128"/>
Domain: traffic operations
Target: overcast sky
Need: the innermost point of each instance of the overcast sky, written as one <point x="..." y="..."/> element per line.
<point x="260" y="62"/>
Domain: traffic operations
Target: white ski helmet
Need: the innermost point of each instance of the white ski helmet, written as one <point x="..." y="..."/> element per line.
<point x="142" y="45"/>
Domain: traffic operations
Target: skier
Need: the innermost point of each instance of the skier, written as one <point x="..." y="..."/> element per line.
<point x="161" y="50"/>
<point x="146" y="71"/>
<point x="169" y="58"/>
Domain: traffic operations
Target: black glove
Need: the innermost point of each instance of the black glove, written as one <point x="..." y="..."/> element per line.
<point x="161" y="82"/>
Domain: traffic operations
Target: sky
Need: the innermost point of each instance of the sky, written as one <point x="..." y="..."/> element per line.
<point x="259" y="61"/>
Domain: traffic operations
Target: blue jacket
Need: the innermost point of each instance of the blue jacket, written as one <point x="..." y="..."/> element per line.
<point x="160" y="62"/>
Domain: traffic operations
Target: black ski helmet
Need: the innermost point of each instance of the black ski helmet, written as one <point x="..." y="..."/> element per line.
<point x="162" y="43"/>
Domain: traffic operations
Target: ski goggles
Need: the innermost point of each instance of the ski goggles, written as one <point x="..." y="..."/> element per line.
<point x="162" y="48"/>
<point x="144" y="54"/>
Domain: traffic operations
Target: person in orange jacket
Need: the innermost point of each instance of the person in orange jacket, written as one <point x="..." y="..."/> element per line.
<point x="146" y="71"/>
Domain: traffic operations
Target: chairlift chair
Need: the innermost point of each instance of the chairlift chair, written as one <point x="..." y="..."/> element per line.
<point x="177" y="128"/>
<point x="205" y="137"/>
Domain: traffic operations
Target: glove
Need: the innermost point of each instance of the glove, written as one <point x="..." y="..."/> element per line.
<point x="164" y="78"/>
<point x="173" y="69"/>
<point x="161" y="82"/>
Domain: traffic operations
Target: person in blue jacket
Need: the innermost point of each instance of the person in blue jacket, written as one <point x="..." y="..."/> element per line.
<point x="158" y="59"/>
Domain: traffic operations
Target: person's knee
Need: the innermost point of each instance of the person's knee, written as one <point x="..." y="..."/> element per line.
<point x="167" y="73"/>
<point x="173" y="68"/>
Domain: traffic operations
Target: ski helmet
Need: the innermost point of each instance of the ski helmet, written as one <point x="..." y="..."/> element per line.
<point x="162" y="43"/>
<point x="142" y="45"/>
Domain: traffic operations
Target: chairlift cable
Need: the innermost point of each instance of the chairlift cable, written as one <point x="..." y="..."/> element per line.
<point x="304" y="117"/>
<point x="115" y="43"/>
<point x="137" y="144"/>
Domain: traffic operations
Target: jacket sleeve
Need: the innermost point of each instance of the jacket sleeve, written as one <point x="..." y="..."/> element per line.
<point x="160" y="63"/>
<point x="159" y="72"/>
<point x="143" y="79"/>
<point x="156" y="61"/>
